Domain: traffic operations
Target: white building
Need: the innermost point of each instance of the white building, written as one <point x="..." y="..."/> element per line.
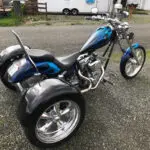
<point x="144" y="4"/>
<point x="76" y="6"/>
<point x="85" y="6"/>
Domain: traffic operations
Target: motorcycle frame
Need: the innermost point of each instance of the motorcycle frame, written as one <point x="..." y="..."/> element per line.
<point x="110" y="48"/>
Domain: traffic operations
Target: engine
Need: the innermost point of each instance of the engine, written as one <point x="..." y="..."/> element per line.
<point x="91" y="68"/>
<point x="90" y="73"/>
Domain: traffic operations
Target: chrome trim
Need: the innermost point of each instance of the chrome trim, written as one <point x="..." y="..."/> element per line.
<point x="85" y="78"/>
<point x="95" y="62"/>
<point x="19" y="86"/>
<point x="82" y="56"/>
<point x="90" y="80"/>
<point x="103" y="72"/>
<point x="56" y="123"/>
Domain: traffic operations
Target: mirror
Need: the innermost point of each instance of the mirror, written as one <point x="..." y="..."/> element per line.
<point x="126" y="14"/>
<point x="94" y="10"/>
<point x="118" y="6"/>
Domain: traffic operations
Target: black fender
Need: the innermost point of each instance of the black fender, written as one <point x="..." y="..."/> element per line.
<point x="11" y="52"/>
<point x="40" y="94"/>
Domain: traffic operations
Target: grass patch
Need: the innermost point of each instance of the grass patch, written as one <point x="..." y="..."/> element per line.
<point x="59" y="20"/>
<point x="140" y="12"/>
<point x="10" y="21"/>
<point x="116" y="57"/>
<point x="139" y="19"/>
<point x="148" y="54"/>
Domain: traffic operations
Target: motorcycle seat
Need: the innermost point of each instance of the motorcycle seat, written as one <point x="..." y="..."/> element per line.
<point x="67" y="61"/>
<point x="64" y="62"/>
<point x="40" y="55"/>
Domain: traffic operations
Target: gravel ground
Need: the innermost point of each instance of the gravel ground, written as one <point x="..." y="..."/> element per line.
<point x="117" y="117"/>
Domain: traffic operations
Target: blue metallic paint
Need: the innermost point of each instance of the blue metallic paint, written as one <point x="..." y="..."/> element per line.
<point x="27" y="70"/>
<point x="53" y="68"/>
<point x="128" y="51"/>
<point x="98" y="39"/>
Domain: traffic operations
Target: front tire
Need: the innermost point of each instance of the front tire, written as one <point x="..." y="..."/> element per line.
<point x="128" y="66"/>
<point x="55" y="122"/>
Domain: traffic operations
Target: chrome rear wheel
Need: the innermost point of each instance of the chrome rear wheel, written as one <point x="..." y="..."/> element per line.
<point x="52" y="121"/>
<point x="58" y="121"/>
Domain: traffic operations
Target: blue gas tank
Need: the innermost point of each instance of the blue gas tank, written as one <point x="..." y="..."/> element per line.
<point x="98" y="39"/>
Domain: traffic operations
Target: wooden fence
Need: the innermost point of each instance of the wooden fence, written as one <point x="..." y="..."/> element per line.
<point x="35" y="8"/>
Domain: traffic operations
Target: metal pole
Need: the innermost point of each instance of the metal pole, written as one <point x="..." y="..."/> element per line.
<point x="17" y="8"/>
<point x="46" y="10"/>
<point x="119" y="1"/>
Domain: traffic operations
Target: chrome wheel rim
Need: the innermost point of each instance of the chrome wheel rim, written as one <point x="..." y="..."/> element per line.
<point x="58" y="121"/>
<point x="132" y="67"/>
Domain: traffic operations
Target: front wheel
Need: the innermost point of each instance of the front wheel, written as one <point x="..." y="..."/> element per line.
<point x="55" y="121"/>
<point x="129" y="67"/>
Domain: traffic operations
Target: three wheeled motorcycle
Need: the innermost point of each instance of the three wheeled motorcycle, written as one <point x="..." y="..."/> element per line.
<point x="52" y="107"/>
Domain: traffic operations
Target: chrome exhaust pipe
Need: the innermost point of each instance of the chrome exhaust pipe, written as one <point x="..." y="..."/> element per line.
<point x="85" y="78"/>
<point x="90" y="80"/>
<point x="101" y="77"/>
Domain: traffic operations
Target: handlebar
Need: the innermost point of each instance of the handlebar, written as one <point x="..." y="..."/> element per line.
<point x="112" y="21"/>
<point x="107" y="19"/>
<point x="93" y="18"/>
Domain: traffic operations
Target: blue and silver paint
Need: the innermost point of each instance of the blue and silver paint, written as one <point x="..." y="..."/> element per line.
<point x="26" y="70"/>
<point x="128" y="52"/>
<point x="98" y="39"/>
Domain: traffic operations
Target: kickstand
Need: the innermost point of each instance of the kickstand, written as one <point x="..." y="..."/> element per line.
<point x="106" y="80"/>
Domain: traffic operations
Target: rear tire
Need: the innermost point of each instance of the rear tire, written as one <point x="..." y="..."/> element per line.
<point x="4" y="79"/>
<point x="128" y="62"/>
<point x="74" y="12"/>
<point x="41" y="132"/>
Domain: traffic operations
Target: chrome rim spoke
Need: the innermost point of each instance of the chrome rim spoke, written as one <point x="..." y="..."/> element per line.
<point x="133" y="68"/>
<point x="45" y="116"/>
<point x="57" y="108"/>
<point x="66" y="110"/>
<point x="129" y="68"/>
<point x="60" y="124"/>
<point x="45" y="127"/>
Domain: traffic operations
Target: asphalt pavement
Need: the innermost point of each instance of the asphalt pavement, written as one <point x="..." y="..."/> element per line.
<point x="117" y="117"/>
